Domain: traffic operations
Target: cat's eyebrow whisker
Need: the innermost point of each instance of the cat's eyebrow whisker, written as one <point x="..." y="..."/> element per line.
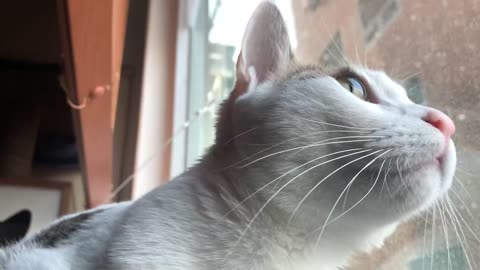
<point x="286" y="184"/>
<point x="359" y="201"/>
<point x="337" y="46"/>
<point x="409" y="77"/>
<point x="320" y="143"/>
<point x="365" y="58"/>
<point x="288" y="172"/>
<point x="322" y="228"/>
<point x="239" y="135"/>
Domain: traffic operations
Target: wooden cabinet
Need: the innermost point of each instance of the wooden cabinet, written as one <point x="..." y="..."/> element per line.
<point x="93" y="34"/>
<point x="60" y="67"/>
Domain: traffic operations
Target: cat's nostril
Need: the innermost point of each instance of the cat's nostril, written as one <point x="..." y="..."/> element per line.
<point x="441" y="122"/>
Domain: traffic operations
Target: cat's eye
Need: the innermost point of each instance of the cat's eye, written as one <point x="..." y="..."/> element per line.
<point x="354" y="86"/>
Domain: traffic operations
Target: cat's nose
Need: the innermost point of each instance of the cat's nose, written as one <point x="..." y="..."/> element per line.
<point x="440" y="121"/>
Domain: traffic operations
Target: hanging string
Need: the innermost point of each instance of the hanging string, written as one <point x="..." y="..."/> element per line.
<point x="197" y="114"/>
<point x="95" y="93"/>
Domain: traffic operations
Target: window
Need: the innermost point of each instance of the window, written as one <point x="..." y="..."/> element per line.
<point x="215" y="39"/>
<point x="314" y="4"/>
<point x="332" y="56"/>
<point x="431" y="49"/>
<point x="413" y="85"/>
<point x="376" y="15"/>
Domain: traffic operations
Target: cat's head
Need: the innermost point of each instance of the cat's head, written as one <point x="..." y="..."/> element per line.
<point x="351" y="140"/>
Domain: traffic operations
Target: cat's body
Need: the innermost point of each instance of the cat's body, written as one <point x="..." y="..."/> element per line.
<point x="76" y="241"/>
<point x="196" y="214"/>
<point x="298" y="176"/>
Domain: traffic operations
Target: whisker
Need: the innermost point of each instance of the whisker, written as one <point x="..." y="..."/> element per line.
<point x="425" y="238"/>
<point x="401" y="176"/>
<point x="321" y="143"/>
<point x="337" y="125"/>
<point x="462" y="240"/>
<point x="341" y="194"/>
<point x="387" y="173"/>
<point x="445" y="232"/>
<point x="464" y="171"/>
<point x="462" y="218"/>
<point x="325" y="178"/>
<point x="357" y="203"/>
<point x="464" y="205"/>
<point x="432" y="253"/>
<point x="239" y="135"/>
<point x="337" y="47"/>
<point x="277" y="192"/>
<point x="408" y="77"/>
<point x="462" y="186"/>
<point x="289" y="140"/>
<point x="288" y="172"/>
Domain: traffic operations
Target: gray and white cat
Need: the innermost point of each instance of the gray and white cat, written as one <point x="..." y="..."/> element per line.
<point x="307" y="168"/>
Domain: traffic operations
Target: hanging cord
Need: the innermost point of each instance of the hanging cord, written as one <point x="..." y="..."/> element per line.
<point x="96" y="92"/>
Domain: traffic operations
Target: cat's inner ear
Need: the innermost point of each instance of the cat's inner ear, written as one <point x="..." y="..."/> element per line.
<point x="266" y="47"/>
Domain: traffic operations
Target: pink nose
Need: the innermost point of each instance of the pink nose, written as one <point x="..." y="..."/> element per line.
<point x="440" y="121"/>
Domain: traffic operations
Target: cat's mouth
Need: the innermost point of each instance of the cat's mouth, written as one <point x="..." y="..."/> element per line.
<point x="440" y="161"/>
<point x="442" y="158"/>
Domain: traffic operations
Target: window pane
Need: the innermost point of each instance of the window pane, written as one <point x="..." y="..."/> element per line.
<point x="431" y="47"/>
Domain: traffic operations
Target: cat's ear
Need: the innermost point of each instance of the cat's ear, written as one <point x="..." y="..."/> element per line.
<point x="15" y="227"/>
<point x="265" y="49"/>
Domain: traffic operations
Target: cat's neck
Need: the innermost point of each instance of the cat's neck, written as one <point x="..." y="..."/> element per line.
<point x="219" y="168"/>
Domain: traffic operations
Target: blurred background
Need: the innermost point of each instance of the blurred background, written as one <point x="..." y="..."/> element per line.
<point x="104" y="100"/>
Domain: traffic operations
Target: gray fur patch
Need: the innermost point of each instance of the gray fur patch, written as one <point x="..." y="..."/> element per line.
<point x="62" y="231"/>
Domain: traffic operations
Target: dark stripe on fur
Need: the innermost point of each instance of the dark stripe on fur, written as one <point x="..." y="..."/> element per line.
<point x="51" y="237"/>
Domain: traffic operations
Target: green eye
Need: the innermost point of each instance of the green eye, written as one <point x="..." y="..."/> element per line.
<point x="354" y="86"/>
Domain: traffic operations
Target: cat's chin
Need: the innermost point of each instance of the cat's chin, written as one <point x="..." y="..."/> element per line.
<point x="431" y="181"/>
<point x="444" y="166"/>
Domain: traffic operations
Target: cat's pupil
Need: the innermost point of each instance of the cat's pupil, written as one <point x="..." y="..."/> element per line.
<point x="354" y="86"/>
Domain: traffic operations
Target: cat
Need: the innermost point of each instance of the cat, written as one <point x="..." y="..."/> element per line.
<point x="307" y="168"/>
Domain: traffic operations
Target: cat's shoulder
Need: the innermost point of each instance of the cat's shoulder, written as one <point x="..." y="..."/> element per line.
<point x="85" y="231"/>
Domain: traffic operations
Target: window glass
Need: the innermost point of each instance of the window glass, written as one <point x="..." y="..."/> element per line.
<point x="431" y="47"/>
